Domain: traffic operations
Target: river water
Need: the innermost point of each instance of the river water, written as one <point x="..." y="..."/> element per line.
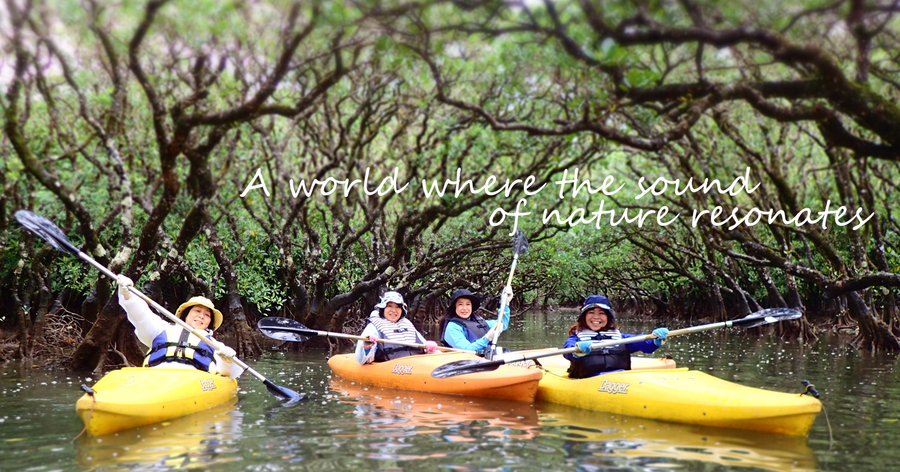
<point x="347" y="426"/>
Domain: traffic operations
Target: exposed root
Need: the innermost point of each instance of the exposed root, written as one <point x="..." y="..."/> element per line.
<point x="61" y="335"/>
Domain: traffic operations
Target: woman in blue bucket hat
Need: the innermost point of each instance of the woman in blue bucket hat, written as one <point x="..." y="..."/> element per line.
<point x="388" y="321"/>
<point x="597" y="322"/>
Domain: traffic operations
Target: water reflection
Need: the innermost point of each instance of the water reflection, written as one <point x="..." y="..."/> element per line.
<point x="340" y="429"/>
<point x="458" y="419"/>
<point x="200" y="440"/>
<point x="581" y="439"/>
<point x="596" y="437"/>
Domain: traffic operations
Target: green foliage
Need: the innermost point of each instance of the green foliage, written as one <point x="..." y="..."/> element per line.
<point x="383" y="114"/>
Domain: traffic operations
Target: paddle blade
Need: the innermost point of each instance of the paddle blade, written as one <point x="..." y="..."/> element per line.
<point x="767" y="316"/>
<point x="284" y="329"/>
<point x="46" y="230"/>
<point x="286" y="394"/>
<point x="468" y="366"/>
<point x="520" y="244"/>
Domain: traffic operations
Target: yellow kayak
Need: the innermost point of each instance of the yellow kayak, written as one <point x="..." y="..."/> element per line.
<point x="135" y="396"/>
<point x="414" y="373"/>
<point x="681" y="396"/>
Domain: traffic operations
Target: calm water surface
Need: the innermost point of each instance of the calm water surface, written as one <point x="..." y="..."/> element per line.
<point x="347" y="426"/>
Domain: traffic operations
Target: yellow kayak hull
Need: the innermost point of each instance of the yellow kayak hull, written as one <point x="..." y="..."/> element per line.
<point x="414" y="373"/>
<point x="681" y="396"/>
<point x="136" y="396"/>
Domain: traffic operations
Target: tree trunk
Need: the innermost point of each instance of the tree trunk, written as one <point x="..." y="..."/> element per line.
<point x="233" y="313"/>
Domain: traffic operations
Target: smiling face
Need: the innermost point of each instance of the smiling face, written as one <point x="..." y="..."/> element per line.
<point x="595" y="319"/>
<point x="392" y="312"/>
<point x="463" y="308"/>
<point x="198" y="317"/>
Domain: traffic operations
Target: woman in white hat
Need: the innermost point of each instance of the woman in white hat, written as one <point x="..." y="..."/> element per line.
<point x="388" y="321"/>
<point x="172" y="346"/>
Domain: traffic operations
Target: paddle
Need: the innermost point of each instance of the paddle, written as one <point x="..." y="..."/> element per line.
<point x="759" y="318"/>
<point x="520" y="245"/>
<point x="286" y="329"/>
<point x="50" y="233"/>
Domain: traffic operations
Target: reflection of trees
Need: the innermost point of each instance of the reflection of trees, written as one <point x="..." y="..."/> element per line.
<point x="802" y="96"/>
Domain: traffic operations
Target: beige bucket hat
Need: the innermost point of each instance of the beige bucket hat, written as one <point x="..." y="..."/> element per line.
<point x="202" y="301"/>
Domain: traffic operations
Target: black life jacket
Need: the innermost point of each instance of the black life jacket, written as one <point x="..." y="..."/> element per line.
<point x="474" y="328"/>
<point x="403" y="330"/>
<point x="186" y="348"/>
<point x="606" y="359"/>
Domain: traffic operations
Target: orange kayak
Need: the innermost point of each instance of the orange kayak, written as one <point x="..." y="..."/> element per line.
<point x="414" y="373"/>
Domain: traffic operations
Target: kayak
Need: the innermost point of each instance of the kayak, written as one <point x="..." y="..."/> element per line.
<point x="136" y="396"/>
<point x="680" y="395"/>
<point x="414" y="373"/>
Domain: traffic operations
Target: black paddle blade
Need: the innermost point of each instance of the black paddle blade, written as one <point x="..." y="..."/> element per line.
<point x="284" y="329"/>
<point x="286" y="394"/>
<point x="468" y="366"/>
<point x="767" y="316"/>
<point x="520" y="244"/>
<point x="46" y="230"/>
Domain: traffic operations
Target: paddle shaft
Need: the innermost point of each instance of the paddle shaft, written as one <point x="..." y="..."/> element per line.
<point x="504" y="303"/>
<point x="168" y="314"/>
<point x="330" y="334"/>
<point x="762" y="317"/>
<point x="516" y="357"/>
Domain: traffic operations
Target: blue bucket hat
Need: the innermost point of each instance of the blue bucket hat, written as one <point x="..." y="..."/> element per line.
<point x="391" y="297"/>
<point x="595" y="301"/>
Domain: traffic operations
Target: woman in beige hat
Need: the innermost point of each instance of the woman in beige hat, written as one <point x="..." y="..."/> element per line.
<point x="174" y="347"/>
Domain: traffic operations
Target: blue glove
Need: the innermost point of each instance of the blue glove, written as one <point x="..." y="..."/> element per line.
<point x="504" y="318"/>
<point x="660" y="334"/>
<point x="584" y="347"/>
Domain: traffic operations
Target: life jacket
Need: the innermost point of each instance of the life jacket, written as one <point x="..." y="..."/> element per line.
<point x="187" y="348"/>
<point x="403" y="331"/>
<point x="606" y="359"/>
<point x="474" y="328"/>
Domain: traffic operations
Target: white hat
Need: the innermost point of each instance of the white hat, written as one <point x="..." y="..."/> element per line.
<point x="391" y="297"/>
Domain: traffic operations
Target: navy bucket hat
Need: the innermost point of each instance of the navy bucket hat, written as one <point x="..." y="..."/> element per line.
<point x="597" y="301"/>
<point x="462" y="293"/>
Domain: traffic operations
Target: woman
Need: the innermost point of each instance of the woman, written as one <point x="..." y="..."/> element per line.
<point x="461" y="328"/>
<point x="174" y="347"/>
<point x="598" y="323"/>
<point x="388" y="321"/>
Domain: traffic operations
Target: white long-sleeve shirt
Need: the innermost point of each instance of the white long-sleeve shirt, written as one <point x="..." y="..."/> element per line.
<point x="147" y="326"/>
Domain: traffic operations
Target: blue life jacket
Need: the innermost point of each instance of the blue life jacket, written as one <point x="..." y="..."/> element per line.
<point x="474" y="327"/>
<point x="186" y="349"/>
<point x="606" y="359"/>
